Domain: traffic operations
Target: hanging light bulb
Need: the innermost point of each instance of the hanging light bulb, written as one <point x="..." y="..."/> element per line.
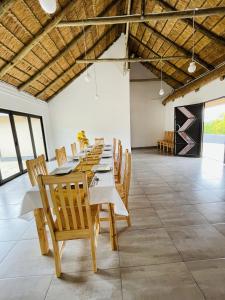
<point x="161" y="92"/>
<point x="96" y="97"/>
<point x="87" y="77"/>
<point x="49" y="6"/>
<point x="192" y="67"/>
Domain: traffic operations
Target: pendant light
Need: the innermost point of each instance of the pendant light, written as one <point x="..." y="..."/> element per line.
<point x="161" y="91"/>
<point x="96" y="85"/>
<point x="49" y="6"/>
<point x="87" y="76"/>
<point x="192" y="65"/>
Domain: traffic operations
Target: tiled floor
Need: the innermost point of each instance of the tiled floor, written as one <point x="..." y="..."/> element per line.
<point x="174" y="250"/>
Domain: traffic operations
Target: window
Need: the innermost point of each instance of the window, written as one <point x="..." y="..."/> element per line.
<point x="21" y="138"/>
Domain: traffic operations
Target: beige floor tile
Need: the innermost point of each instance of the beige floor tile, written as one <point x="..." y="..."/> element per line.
<point x="25" y="259"/>
<point x="161" y="282"/>
<point x="167" y="200"/>
<point x="210" y="277"/>
<point x="180" y="216"/>
<point x="5" y="247"/>
<point x="144" y="247"/>
<point x="12" y="230"/>
<point x="160" y="189"/>
<point x="105" y="284"/>
<point x="138" y="201"/>
<point x="198" y="242"/>
<point x="201" y="197"/>
<point x="144" y="218"/>
<point x="214" y="212"/>
<point x="24" y="288"/>
<point x="220" y="227"/>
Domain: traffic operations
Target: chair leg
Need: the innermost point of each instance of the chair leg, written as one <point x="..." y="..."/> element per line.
<point x="57" y="258"/>
<point x="93" y="254"/>
<point x="128" y="220"/>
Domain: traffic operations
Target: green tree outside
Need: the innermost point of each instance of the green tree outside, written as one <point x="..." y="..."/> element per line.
<point x="216" y="126"/>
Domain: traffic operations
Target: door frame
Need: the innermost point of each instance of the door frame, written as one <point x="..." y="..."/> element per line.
<point x="10" y="113"/>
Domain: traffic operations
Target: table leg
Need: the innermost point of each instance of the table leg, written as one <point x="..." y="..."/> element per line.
<point x="42" y="234"/>
<point x="113" y="233"/>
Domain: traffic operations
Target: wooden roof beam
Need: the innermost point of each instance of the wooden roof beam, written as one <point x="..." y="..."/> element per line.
<point x="37" y="38"/>
<point x="197" y="83"/>
<point x="165" y="76"/>
<point x="169" y="63"/>
<point x="4" y="6"/>
<point x="186" y="52"/>
<point x="210" y="34"/>
<point x="61" y="54"/>
<point x="130" y="60"/>
<point x="171" y="15"/>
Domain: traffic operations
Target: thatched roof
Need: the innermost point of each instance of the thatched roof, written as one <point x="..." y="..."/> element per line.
<point x="40" y="58"/>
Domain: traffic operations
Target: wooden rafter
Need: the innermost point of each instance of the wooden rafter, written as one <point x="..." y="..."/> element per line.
<point x="201" y="12"/>
<point x="153" y="52"/>
<point x="77" y="75"/>
<point x="197" y="83"/>
<point x="82" y="56"/>
<point x="37" y="38"/>
<point x="4" y="6"/>
<point x="165" y="76"/>
<point x="181" y="49"/>
<point x="210" y="34"/>
<point x="68" y="48"/>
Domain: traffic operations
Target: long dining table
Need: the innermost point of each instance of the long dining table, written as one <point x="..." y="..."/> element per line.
<point x="102" y="190"/>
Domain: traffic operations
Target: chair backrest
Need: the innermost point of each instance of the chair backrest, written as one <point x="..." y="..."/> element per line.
<point x="127" y="176"/>
<point x="119" y="161"/>
<point x="36" y="167"/>
<point x="99" y="141"/>
<point x="171" y="136"/>
<point x="74" y="149"/>
<point x="61" y="157"/>
<point x="70" y="198"/>
<point x="114" y="149"/>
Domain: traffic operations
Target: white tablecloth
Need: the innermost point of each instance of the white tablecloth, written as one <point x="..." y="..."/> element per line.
<point x="104" y="192"/>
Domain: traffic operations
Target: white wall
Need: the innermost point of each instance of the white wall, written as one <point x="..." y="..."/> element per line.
<point x="11" y="99"/>
<point x="76" y="108"/>
<point x="211" y="91"/>
<point x="147" y="111"/>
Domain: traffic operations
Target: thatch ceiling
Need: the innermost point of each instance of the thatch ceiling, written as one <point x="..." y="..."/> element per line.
<point x="39" y="58"/>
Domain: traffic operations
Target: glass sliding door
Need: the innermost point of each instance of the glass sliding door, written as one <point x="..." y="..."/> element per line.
<point x="24" y="138"/>
<point x="9" y="165"/>
<point x="21" y="138"/>
<point x="38" y="135"/>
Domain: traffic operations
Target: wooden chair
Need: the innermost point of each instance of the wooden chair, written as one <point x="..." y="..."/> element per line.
<point x="61" y="157"/>
<point x="168" y="144"/>
<point x="36" y="167"/>
<point x="99" y="141"/>
<point x="74" y="149"/>
<point x="160" y="142"/>
<point x="73" y="217"/>
<point x="118" y="163"/>
<point x="123" y="189"/>
<point x="114" y="149"/>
